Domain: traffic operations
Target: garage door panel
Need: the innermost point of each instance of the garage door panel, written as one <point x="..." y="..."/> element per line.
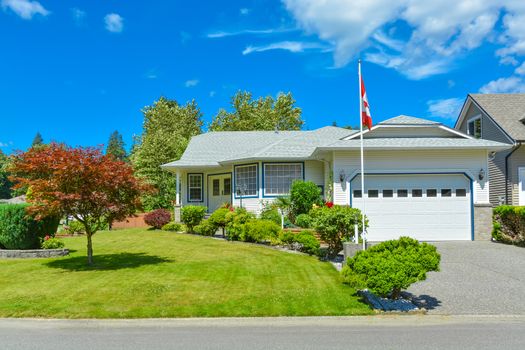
<point x="424" y="218"/>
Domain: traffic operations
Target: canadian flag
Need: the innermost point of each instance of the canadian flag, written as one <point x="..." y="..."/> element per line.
<point x="366" y="117"/>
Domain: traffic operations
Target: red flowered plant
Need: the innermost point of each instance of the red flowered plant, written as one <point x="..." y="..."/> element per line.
<point x="47" y="238"/>
<point x="329" y="204"/>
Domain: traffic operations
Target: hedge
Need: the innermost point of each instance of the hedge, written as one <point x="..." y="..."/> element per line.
<point x="509" y="224"/>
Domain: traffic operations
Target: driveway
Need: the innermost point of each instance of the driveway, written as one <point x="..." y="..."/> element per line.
<point x="476" y="278"/>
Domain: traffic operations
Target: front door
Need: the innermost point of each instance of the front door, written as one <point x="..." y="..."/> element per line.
<point x="219" y="191"/>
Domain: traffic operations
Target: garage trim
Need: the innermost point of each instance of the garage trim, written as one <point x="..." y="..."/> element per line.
<point x="471" y="180"/>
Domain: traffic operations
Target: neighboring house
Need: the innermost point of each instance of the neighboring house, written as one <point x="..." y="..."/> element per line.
<point x="499" y="117"/>
<point x="422" y="179"/>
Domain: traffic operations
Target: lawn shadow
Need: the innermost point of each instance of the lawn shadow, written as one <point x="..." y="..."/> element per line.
<point x="423" y="301"/>
<point x="107" y="262"/>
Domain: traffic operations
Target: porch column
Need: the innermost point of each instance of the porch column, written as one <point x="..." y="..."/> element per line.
<point x="176" y="209"/>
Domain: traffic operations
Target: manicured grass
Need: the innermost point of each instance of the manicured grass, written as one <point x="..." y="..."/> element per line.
<point x="140" y="273"/>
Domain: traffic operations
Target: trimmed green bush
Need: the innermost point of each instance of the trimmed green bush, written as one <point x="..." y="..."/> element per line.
<point x="218" y="218"/>
<point x="259" y="231"/>
<point x="303" y="196"/>
<point x="509" y="224"/>
<point x="389" y="267"/>
<point x="235" y="221"/>
<point x="18" y="230"/>
<point x="287" y="237"/>
<point x="74" y="227"/>
<point x="192" y="215"/>
<point x="52" y="243"/>
<point x="271" y="214"/>
<point x="304" y="220"/>
<point x="308" y="242"/>
<point x="206" y="228"/>
<point x="172" y="226"/>
<point x="336" y="224"/>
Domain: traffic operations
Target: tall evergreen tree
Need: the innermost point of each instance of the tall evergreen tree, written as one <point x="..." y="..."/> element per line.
<point x="167" y="129"/>
<point x="259" y="114"/>
<point x="37" y="140"/>
<point x="116" y="146"/>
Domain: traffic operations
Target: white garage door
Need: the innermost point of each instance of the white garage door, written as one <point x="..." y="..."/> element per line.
<point x="424" y="207"/>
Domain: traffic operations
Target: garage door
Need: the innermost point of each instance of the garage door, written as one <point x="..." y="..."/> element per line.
<point x="424" y="207"/>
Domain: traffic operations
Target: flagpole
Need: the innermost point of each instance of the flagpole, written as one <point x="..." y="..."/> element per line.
<point x="363" y="235"/>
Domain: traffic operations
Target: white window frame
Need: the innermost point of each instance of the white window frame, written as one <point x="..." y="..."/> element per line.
<point x="265" y="193"/>
<point x="235" y="172"/>
<point x="473" y="120"/>
<point x="201" y="187"/>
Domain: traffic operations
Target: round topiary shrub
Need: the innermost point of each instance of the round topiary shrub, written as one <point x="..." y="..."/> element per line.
<point x="218" y="218"/>
<point x="172" y="226"/>
<point x="157" y="218"/>
<point x="389" y="267"/>
<point x="206" y="228"/>
<point x="192" y="215"/>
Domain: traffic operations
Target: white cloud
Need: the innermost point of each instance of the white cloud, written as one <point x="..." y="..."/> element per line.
<point x="223" y="34"/>
<point x="512" y="84"/>
<point x="521" y="69"/>
<point x="78" y="15"/>
<point x="191" y="83"/>
<point x="213" y="93"/>
<point x="245" y="11"/>
<point x="445" y="108"/>
<point x="292" y="46"/>
<point x="25" y="8"/>
<point x="417" y="38"/>
<point x="3" y="144"/>
<point x="114" y="22"/>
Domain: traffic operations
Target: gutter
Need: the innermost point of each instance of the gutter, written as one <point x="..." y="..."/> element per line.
<point x="514" y="149"/>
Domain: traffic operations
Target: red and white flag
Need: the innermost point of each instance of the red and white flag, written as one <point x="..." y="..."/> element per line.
<point x="366" y="117"/>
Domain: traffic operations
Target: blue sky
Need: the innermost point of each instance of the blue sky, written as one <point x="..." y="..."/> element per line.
<point x="77" y="70"/>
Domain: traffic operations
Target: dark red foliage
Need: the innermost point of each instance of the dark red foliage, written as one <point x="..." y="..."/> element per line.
<point x="157" y="218"/>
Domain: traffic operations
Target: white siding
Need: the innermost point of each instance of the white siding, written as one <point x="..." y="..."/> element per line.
<point x="314" y="171"/>
<point x="424" y="161"/>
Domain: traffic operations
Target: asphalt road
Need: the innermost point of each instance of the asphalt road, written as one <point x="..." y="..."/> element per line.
<point x="380" y="332"/>
<point x="482" y="278"/>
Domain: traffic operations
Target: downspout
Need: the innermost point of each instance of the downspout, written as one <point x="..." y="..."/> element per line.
<point x="514" y="149"/>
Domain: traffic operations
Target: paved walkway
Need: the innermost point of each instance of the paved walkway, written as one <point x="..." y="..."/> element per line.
<point x="476" y="278"/>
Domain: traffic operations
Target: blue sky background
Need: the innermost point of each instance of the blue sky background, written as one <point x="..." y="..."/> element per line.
<point x="77" y="70"/>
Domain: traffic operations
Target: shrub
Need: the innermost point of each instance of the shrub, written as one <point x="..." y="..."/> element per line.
<point x="52" y="243"/>
<point x="74" y="227"/>
<point x="206" y="228"/>
<point x="157" y="218"/>
<point x="336" y="224"/>
<point x="18" y="230"/>
<point x="235" y="221"/>
<point x="192" y="215"/>
<point x="308" y="243"/>
<point x="304" y="220"/>
<point x="303" y="196"/>
<point x="391" y="266"/>
<point x="509" y="224"/>
<point x="172" y="226"/>
<point x="218" y="218"/>
<point x="287" y="237"/>
<point x="260" y="231"/>
<point x="271" y="214"/>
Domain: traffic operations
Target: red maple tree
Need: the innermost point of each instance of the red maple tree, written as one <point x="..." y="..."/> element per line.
<point x="78" y="182"/>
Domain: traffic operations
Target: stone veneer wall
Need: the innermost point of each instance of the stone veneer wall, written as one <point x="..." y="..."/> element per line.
<point x="31" y="254"/>
<point x="482" y="222"/>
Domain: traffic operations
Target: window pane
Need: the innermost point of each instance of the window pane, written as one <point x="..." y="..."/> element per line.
<point x="388" y="193"/>
<point x="357" y="194"/>
<point x="195" y="187"/>
<point x="227" y="186"/>
<point x="278" y="178"/>
<point x="246" y="180"/>
<point x="373" y="193"/>
<point x="446" y="192"/>
<point x="417" y="193"/>
<point x="216" y="187"/>
<point x="431" y="193"/>
<point x="402" y="193"/>
<point x="461" y="192"/>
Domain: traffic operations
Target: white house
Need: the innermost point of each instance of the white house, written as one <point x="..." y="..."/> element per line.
<point x="422" y="179"/>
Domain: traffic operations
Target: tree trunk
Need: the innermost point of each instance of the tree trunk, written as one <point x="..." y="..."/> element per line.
<point x="89" y="249"/>
<point x="396" y="293"/>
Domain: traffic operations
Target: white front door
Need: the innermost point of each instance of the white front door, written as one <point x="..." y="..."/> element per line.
<point x="521" y="185"/>
<point x="425" y="207"/>
<point x="219" y="191"/>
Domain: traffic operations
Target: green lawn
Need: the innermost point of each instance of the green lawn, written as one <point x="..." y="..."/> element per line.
<point x="141" y="273"/>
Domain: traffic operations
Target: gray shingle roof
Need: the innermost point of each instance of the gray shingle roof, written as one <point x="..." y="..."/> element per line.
<point x="212" y="148"/>
<point x="415" y="143"/>
<point x="506" y="109"/>
<point x="408" y="120"/>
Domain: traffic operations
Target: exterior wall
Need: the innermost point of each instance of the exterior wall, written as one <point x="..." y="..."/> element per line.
<point x="206" y="173"/>
<point x="516" y="160"/>
<point x="408" y="132"/>
<point x="497" y="178"/>
<point x="482" y="222"/>
<point x="489" y="129"/>
<point x="439" y="161"/>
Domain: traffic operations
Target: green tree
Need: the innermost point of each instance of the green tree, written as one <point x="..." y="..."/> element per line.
<point x="116" y="146"/>
<point x="37" y="140"/>
<point x="5" y="184"/>
<point x="259" y="114"/>
<point x="167" y="130"/>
